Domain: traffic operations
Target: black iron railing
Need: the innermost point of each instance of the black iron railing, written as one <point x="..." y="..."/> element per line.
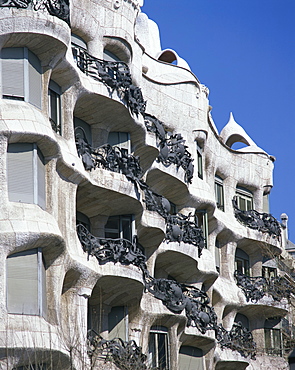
<point x="263" y="222"/>
<point x="115" y="75"/>
<point x="57" y="8"/>
<point x="256" y="288"/>
<point x="125" y="355"/>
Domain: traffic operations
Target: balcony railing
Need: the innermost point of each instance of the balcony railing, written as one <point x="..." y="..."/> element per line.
<point x="125" y="355"/>
<point x="115" y="75"/>
<point x="107" y="157"/>
<point x="181" y="228"/>
<point x="256" y="288"/>
<point x="57" y="8"/>
<point x="172" y="148"/>
<point x="238" y="339"/>
<point x="112" y="250"/>
<point x="263" y="222"/>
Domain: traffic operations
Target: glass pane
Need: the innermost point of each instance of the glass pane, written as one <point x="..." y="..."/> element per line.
<point x="126" y="229"/>
<point x="112" y="227"/>
<point x="200" y="165"/>
<point x="242" y="204"/>
<point x="152" y="350"/>
<point x="162" y="351"/>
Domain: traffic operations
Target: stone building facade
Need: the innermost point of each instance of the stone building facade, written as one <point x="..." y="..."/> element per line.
<point x="133" y="234"/>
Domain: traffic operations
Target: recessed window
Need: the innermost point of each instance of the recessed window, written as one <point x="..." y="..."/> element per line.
<point x="54" y="106"/>
<point x="201" y="218"/>
<point x="273" y="337"/>
<point x="82" y="130"/>
<point x="242" y="264"/>
<point x="120" y="227"/>
<point x="110" y="57"/>
<point x="244" y="199"/>
<point x="26" y="174"/>
<point x="118" y="323"/>
<point x="219" y="196"/>
<point x="200" y="160"/>
<point x="217" y="255"/>
<point x="159" y="348"/>
<point x="120" y="140"/>
<point x="243" y="320"/>
<point x="82" y="219"/>
<point x="191" y="358"/>
<point x="21" y="75"/>
<point x="26" y="283"/>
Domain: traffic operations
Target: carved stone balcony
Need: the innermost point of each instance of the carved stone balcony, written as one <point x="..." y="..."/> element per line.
<point x="238" y="339"/>
<point x="263" y="222"/>
<point x="181" y="228"/>
<point x="112" y="250"/>
<point x="107" y="157"/>
<point x="114" y="75"/>
<point x="256" y="288"/>
<point x="172" y="148"/>
<point x="125" y="355"/>
<point x="57" y="8"/>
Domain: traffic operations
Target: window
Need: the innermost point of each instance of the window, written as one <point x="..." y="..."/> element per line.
<point x="82" y="219"/>
<point x="159" y="348"/>
<point x="31" y="367"/>
<point x="54" y="106"/>
<point x="26" y="284"/>
<point x="244" y="199"/>
<point x="217" y="255"/>
<point x="269" y="272"/>
<point x="118" y="323"/>
<point x="273" y="341"/>
<point x="120" y="227"/>
<point x="243" y="320"/>
<point x="79" y="50"/>
<point x="201" y="220"/>
<point x="121" y="140"/>
<point x="26" y="174"/>
<point x="190" y="358"/>
<point x="21" y="75"/>
<point x="242" y="262"/>
<point x="82" y="130"/>
<point x="200" y="160"/>
<point x="219" y="193"/>
<point x="110" y="57"/>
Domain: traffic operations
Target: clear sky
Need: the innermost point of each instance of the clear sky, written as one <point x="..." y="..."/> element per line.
<point x="244" y="52"/>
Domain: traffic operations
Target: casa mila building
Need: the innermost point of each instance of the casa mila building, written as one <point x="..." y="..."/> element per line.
<point x="134" y="236"/>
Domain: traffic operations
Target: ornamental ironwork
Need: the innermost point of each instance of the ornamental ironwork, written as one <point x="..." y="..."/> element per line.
<point x="263" y="222"/>
<point x="56" y="8"/>
<point x="114" y="75"/>
<point x="107" y="157"/>
<point x="172" y="148"/>
<point x="125" y="355"/>
<point x="239" y="339"/>
<point x="112" y="250"/>
<point x="181" y="228"/>
<point x="56" y="127"/>
<point x="255" y="288"/>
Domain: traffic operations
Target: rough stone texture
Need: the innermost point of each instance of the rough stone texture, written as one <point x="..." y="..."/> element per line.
<point x="174" y="96"/>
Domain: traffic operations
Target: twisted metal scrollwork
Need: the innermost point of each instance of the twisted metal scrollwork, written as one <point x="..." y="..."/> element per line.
<point x="172" y="148"/>
<point x="107" y="157"/>
<point x="57" y="8"/>
<point x="263" y="222"/>
<point x="125" y="355"/>
<point x="238" y="339"/>
<point x="185" y="228"/>
<point x="115" y="75"/>
<point x="256" y="288"/>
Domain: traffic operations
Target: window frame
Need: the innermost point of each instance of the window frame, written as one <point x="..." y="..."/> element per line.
<point x="245" y="195"/>
<point x="41" y="300"/>
<point x="200" y="160"/>
<point x="201" y="215"/>
<point x="38" y="168"/>
<point x="219" y="192"/>
<point x="122" y="143"/>
<point x="120" y="229"/>
<point x="244" y="260"/>
<point x="154" y="359"/>
<point x="54" y="94"/>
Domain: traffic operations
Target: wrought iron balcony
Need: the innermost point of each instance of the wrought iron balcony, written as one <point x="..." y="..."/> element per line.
<point x="263" y="222"/>
<point x="178" y="297"/>
<point x="55" y="126"/>
<point x="57" y="8"/>
<point x="172" y="148"/>
<point x="185" y="228"/>
<point x="112" y="250"/>
<point x="115" y="75"/>
<point x="107" y="157"/>
<point x="125" y="355"/>
<point x="256" y="288"/>
<point x="238" y="339"/>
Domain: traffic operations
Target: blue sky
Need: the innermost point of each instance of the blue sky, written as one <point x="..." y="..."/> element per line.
<point x="244" y="52"/>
